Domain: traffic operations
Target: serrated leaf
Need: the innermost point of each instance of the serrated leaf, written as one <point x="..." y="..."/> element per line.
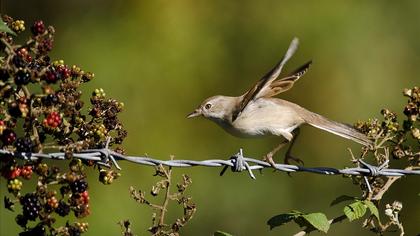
<point x="342" y="198"/>
<point x="318" y="220"/>
<point x="221" y="233"/>
<point x="372" y="208"/>
<point x="355" y="210"/>
<point x="5" y="28"/>
<point x="282" y="219"/>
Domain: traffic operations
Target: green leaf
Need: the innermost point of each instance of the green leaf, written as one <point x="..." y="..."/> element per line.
<point x="355" y="210"/>
<point x="342" y="198"/>
<point x="318" y="220"/>
<point x="372" y="208"/>
<point x="5" y="28"/>
<point x="221" y="233"/>
<point x="282" y="219"/>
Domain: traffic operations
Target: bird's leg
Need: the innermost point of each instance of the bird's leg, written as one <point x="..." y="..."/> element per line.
<point x="269" y="156"/>
<point x="290" y="138"/>
<point x="288" y="156"/>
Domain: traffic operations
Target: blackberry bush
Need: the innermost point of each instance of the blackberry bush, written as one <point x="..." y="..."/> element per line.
<point x="41" y="111"/>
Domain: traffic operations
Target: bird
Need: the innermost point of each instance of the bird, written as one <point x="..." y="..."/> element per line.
<point x="258" y="113"/>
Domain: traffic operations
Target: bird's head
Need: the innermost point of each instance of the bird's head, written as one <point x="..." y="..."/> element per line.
<point x="215" y="108"/>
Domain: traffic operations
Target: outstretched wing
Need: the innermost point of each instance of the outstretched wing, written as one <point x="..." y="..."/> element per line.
<point x="264" y="86"/>
<point x="286" y="83"/>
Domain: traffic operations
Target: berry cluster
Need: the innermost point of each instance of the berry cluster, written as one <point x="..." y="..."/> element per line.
<point x="24" y="144"/>
<point x="390" y="129"/>
<point x="63" y="209"/>
<point x="79" y="186"/>
<point x="31" y="206"/>
<point x="14" y="185"/>
<point x="18" y="25"/>
<point x="412" y="111"/>
<point x="108" y="176"/>
<point x="8" y="137"/>
<point x="41" y="109"/>
<point x="59" y="103"/>
<point x="53" y="120"/>
<point x="38" y="28"/>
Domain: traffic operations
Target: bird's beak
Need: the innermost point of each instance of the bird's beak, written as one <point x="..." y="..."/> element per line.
<point x="195" y="113"/>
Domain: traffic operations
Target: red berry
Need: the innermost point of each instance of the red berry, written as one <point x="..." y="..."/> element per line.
<point x="64" y="71"/>
<point x="85" y="197"/>
<point x="51" y="77"/>
<point x="52" y="202"/>
<point x="38" y="28"/>
<point x="27" y="172"/>
<point x="13" y="173"/>
<point x="24" y="54"/>
<point x="2" y="126"/>
<point x="53" y="120"/>
<point x="45" y="46"/>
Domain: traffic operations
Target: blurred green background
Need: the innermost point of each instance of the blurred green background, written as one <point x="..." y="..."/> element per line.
<point x="162" y="58"/>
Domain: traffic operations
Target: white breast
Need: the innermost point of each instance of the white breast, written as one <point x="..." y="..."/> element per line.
<point x="267" y="116"/>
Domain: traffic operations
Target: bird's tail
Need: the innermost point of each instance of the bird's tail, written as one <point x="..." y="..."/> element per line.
<point x="343" y="130"/>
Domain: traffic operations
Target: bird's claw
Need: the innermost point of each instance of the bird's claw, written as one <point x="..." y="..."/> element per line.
<point x="269" y="159"/>
<point x="289" y="158"/>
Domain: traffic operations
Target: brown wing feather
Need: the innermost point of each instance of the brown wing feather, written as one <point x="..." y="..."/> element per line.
<point x="286" y="83"/>
<point x="258" y="89"/>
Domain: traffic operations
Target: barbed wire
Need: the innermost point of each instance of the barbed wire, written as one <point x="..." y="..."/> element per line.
<point x="237" y="163"/>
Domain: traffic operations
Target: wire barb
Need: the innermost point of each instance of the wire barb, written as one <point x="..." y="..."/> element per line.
<point x="237" y="162"/>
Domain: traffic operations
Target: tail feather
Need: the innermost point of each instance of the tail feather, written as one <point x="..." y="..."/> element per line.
<point x="343" y="130"/>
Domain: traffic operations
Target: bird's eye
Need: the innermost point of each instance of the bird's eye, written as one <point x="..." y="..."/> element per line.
<point x="207" y="106"/>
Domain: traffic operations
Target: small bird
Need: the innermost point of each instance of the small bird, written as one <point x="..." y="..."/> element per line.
<point x="256" y="113"/>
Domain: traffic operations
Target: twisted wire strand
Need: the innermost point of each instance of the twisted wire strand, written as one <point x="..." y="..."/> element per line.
<point x="237" y="163"/>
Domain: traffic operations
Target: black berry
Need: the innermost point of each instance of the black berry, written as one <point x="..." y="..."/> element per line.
<point x="4" y="75"/>
<point x="50" y="99"/>
<point x="31" y="206"/>
<point x="74" y="231"/>
<point x="410" y="109"/>
<point x="8" y="137"/>
<point x="21" y="220"/>
<point x="38" y="230"/>
<point x="79" y="186"/>
<point x="63" y="209"/>
<point x="14" y="110"/>
<point x="22" y="77"/>
<point x="34" y="65"/>
<point x="24" y="144"/>
<point x="18" y="61"/>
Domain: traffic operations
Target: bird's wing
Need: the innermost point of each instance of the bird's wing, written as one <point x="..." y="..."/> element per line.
<point x="267" y="86"/>
<point x="286" y="83"/>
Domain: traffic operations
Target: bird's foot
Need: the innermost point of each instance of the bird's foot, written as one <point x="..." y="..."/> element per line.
<point x="289" y="158"/>
<point x="269" y="159"/>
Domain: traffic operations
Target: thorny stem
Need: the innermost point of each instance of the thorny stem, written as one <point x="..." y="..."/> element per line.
<point x="164" y="207"/>
<point x="8" y="46"/>
<point x="26" y="91"/>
